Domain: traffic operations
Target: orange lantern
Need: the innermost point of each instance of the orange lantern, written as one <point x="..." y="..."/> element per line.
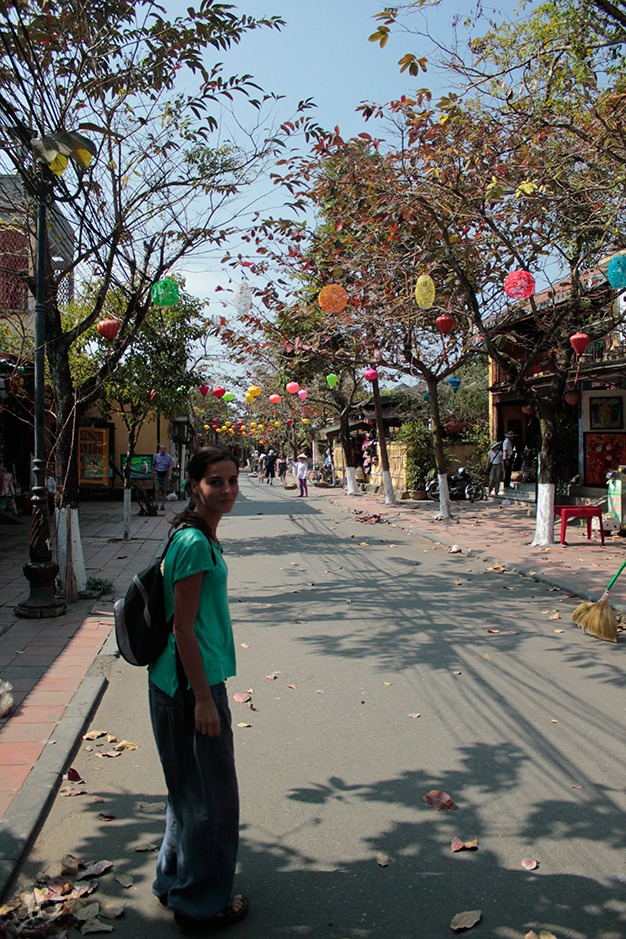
<point x="332" y="298"/>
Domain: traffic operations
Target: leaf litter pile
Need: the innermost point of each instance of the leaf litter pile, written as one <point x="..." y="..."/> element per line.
<point x="56" y="903"/>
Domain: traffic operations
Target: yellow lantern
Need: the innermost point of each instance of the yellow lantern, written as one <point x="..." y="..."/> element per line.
<point x="276" y="423"/>
<point x="305" y="420"/>
<point x="206" y="426"/>
<point x="425" y="292"/>
<point x="249" y="398"/>
<point x="226" y="423"/>
<point x="253" y="424"/>
<point x="254" y="390"/>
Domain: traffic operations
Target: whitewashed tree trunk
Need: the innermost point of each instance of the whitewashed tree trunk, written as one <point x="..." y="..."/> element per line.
<point x="544" y="529"/>
<point x="128" y="493"/>
<point x="70" y="553"/>
<point x="353" y="489"/>
<point x="390" y="496"/>
<point x="445" y="510"/>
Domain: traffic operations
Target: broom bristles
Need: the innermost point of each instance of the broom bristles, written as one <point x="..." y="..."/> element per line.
<point x="597" y="618"/>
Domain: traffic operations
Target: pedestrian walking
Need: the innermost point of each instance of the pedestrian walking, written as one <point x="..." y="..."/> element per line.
<point x="189" y="709"/>
<point x="270" y="468"/>
<point x="281" y="468"/>
<point x="494" y="467"/>
<point x="162" y="474"/>
<point x="262" y="459"/>
<point x="508" y="457"/>
<point x="299" y="470"/>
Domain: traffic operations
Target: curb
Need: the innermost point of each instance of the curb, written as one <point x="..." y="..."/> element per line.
<point x="28" y="810"/>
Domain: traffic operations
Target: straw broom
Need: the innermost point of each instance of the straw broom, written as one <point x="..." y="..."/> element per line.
<point x="598" y="618"/>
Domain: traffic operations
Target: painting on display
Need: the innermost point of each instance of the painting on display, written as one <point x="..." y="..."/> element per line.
<point x="603" y="452"/>
<point x="606" y="413"/>
<point x="140" y="465"/>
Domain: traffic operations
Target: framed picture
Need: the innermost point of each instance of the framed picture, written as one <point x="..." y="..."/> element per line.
<point x="140" y="465"/>
<point x="603" y="452"/>
<point x="93" y="456"/>
<point x="606" y="413"/>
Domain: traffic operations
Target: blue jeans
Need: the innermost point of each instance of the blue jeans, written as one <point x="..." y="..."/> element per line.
<point x="198" y="855"/>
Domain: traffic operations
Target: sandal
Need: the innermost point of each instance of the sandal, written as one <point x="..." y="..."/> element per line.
<point x="227" y="917"/>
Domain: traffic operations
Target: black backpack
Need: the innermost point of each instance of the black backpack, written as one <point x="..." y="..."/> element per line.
<point x="141" y="629"/>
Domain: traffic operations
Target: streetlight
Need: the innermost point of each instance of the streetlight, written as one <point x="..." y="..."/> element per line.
<point x="40" y="570"/>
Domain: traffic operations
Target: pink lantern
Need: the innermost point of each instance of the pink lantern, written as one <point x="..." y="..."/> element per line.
<point x="293" y="387"/>
<point x="371" y="374"/>
<point x="219" y="392"/>
<point x="302" y="394"/>
<point x="152" y="394"/>
<point x="204" y="389"/>
<point x="275" y="399"/>
<point x="580" y="341"/>
<point x="519" y="285"/>
<point x="444" y="323"/>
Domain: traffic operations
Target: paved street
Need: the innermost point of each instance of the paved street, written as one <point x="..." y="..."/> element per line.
<point x="363" y="626"/>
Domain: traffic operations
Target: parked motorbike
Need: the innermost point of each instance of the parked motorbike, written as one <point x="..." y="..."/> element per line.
<point x="460" y="486"/>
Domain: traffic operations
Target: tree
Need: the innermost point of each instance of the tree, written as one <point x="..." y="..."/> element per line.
<point x="112" y="81"/>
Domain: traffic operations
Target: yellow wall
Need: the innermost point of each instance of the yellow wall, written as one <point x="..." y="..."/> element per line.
<point x="146" y="441"/>
<point x="457" y="454"/>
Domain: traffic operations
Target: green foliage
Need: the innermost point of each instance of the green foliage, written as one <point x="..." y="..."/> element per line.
<point x="100" y="585"/>
<point x="420" y="453"/>
<point x="479" y="436"/>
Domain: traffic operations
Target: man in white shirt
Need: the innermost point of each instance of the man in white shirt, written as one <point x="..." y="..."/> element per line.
<point x="494" y="467"/>
<point x="508" y="457"/>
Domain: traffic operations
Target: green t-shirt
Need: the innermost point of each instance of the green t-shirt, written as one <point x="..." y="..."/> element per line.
<point x="189" y="553"/>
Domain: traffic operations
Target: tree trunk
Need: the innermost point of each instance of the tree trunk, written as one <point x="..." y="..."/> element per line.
<point x="344" y="434"/>
<point x="133" y="433"/>
<point x="546" y="489"/>
<point x="440" y="456"/>
<point x="390" y="496"/>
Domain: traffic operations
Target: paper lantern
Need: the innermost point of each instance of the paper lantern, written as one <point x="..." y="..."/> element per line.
<point x="426" y="396"/>
<point x="332" y="298"/>
<point x="572" y="397"/>
<point x="152" y="394"/>
<point x="204" y="389"/>
<point x="276" y="423"/>
<point x="425" y="292"/>
<point x="165" y="293"/>
<point x="371" y="374"/>
<point x="616" y="274"/>
<point x="289" y="422"/>
<point x="275" y="399"/>
<point x="249" y="398"/>
<point x="454" y="383"/>
<point x="519" y="285"/>
<point x="305" y="420"/>
<point x="242" y="298"/>
<point x="206" y="427"/>
<point x="229" y="396"/>
<point x="108" y="328"/>
<point x="302" y="394"/>
<point x="580" y="341"/>
<point x="254" y="390"/>
<point x="331" y="380"/>
<point x="444" y="323"/>
<point x="218" y="391"/>
<point x="293" y="387"/>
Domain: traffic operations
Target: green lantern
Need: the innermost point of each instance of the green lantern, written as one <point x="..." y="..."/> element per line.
<point x="332" y="380"/>
<point x="164" y="293"/>
<point x="229" y="396"/>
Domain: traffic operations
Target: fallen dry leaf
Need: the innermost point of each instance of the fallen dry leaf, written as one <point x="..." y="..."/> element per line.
<point x="97" y="799"/>
<point x="71" y="864"/>
<point x="95" y="925"/>
<point x="105" y="818"/>
<point x="146" y="846"/>
<point x="125" y="880"/>
<point x="74" y="776"/>
<point x="272" y="677"/>
<point x="111" y="910"/>
<point x="531" y="935"/>
<point x="241" y="697"/>
<point x="413" y="716"/>
<point x="75" y="791"/>
<point x="319" y="691"/>
<point x="439" y="800"/>
<point x="291" y="686"/>
<point x="558" y="630"/>
<point x="556" y="616"/>
<point x="94" y="734"/>
<point x="244" y="645"/>
<point x="486" y="655"/>
<point x="466" y="920"/>
<point x="529" y="864"/>
<point x="95" y="870"/>
<point x="544" y="934"/>
<point x="152" y="808"/>
<point x="111" y="738"/>
<point x="89" y="911"/>
<point x="364" y="544"/>
<point x="456" y="673"/>
<point x="243" y="724"/>
<point x="387" y="683"/>
<point x="493" y="630"/>
<point x="125" y="745"/>
<point x="458" y="845"/>
<point x="382" y="859"/>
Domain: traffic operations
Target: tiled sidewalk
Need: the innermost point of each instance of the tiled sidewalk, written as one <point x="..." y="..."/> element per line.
<point x="48" y="662"/>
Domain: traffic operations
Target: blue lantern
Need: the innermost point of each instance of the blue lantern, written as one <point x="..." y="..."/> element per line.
<point x="616" y="273"/>
<point x="454" y="383"/>
<point x="426" y="397"/>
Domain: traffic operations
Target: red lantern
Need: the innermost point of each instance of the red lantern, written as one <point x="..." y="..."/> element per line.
<point x="219" y="392"/>
<point x="580" y="341"/>
<point x="444" y="323"/>
<point x="371" y="374"/>
<point x="289" y="422"/>
<point x="519" y="285"/>
<point x="293" y="387"/>
<point x="275" y="399"/>
<point x="152" y="394"/>
<point x="204" y="390"/>
<point x="108" y="328"/>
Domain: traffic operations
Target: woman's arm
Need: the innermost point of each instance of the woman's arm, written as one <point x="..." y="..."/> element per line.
<point x="186" y="600"/>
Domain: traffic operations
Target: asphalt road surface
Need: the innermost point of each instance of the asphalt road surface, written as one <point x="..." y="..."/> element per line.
<point x="399" y="669"/>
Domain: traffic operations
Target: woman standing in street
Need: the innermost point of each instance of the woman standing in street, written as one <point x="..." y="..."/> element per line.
<point x="299" y="470"/>
<point x="189" y="709"/>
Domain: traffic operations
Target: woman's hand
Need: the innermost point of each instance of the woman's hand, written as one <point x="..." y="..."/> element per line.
<point x="207" y="718"/>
